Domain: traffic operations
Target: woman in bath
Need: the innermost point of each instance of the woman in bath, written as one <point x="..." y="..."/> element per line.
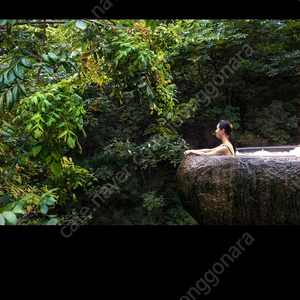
<point x="228" y="147"/>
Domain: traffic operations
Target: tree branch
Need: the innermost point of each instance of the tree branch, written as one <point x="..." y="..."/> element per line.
<point x="35" y="22"/>
<point x="25" y="215"/>
<point x="41" y="22"/>
<point x="111" y="26"/>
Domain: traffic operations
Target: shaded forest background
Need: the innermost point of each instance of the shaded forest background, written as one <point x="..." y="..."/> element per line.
<point x="103" y="109"/>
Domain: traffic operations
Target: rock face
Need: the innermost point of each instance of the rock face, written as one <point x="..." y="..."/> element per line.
<point x="226" y="190"/>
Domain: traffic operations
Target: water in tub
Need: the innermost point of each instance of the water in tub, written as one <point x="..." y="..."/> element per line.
<point x="293" y="152"/>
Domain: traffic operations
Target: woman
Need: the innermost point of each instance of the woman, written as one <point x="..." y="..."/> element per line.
<point x="223" y="132"/>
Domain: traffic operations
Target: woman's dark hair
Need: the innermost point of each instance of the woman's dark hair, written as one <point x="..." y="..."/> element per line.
<point x="224" y="124"/>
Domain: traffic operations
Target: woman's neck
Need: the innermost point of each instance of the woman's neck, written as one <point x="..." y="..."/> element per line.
<point x="224" y="139"/>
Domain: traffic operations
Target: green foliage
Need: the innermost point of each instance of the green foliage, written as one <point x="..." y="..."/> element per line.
<point x="228" y="113"/>
<point x="49" y="117"/>
<point x="274" y="122"/>
<point x="8" y="212"/>
<point x="151" y="201"/>
<point x="38" y="201"/>
<point x="125" y="59"/>
<point x="264" y="75"/>
<point x="30" y="112"/>
<point x="68" y="219"/>
<point x="71" y="177"/>
<point x="22" y="60"/>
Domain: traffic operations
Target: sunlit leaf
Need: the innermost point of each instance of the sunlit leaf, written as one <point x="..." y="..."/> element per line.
<point x="49" y="201"/>
<point x="10" y="217"/>
<point x="70" y="142"/>
<point x="62" y="134"/>
<point x="80" y="24"/>
<point x="43" y="208"/>
<point x="52" y="221"/>
<point x="37" y="133"/>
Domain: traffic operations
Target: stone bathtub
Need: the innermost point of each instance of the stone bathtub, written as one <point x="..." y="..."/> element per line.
<point x="258" y="186"/>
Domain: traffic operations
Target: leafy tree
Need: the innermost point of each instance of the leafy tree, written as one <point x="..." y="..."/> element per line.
<point x="39" y="109"/>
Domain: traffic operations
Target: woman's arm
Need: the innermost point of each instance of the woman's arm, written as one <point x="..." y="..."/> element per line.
<point x="201" y="151"/>
<point x="197" y="152"/>
<point x="217" y="152"/>
<point x="210" y="150"/>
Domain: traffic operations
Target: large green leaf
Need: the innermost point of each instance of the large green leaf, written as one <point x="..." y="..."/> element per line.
<point x="43" y="208"/>
<point x="22" y="89"/>
<point x="48" y="159"/>
<point x="56" y="154"/>
<point x="37" y="133"/>
<point x="46" y="58"/>
<point x="27" y="197"/>
<point x="149" y="91"/>
<point x="9" y="125"/>
<point x="53" y="56"/>
<point x="25" y="51"/>
<point x="63" y="134"/>
<point x="10" y="217"/>
<point x="12" y="22"/>
<point x="4" y="133"/>
<point x="61" y="124"/>
<point x="55" y="167"/>
<point x="9" y="77"/>
<point x="49" y="201"/>
<point x="52" y="221"/>
<point x="49" y="70"/>
<point x="36" y="116"/>
<point x="8" y="207"/>
<point x="70" y="142"/>
<point x="148" y="23"/>
<point x="18" y="207"/>
<point x="26" y="62"/>
<point x="80" y="24"/>
<point x="15" y="93"/>
<point x="36" y="150"/>
<point x="9" y="99"/>
<point x="19" y="71"/>
<point x="68" y="24"/>
<point x="154" y="25"/>
<point x="49" y="192"/>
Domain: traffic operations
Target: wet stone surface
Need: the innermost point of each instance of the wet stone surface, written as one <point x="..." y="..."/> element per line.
<point x="222" y="190"/>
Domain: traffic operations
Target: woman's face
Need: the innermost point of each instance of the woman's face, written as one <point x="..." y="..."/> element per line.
<point x="218" y="132"/>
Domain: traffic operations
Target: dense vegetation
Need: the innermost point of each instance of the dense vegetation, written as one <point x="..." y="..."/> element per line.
<point x="95" y="114"/>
